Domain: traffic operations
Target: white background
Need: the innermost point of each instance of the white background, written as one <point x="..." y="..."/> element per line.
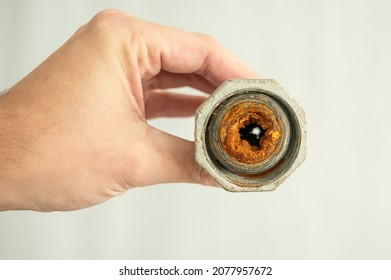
<point x="333" y="57"/>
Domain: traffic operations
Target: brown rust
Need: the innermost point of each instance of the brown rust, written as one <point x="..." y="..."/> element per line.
<point x="239" y="117"/>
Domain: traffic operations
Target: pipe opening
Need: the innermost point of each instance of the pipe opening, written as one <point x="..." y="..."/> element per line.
<point x="252" y="133"/>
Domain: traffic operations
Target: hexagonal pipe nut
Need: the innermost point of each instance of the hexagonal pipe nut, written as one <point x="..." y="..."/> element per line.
<point x="250" y="135"/>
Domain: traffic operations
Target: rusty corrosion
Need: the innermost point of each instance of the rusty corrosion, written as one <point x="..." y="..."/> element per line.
<point x="250" y="135"/>
<point x="238" y="118"/>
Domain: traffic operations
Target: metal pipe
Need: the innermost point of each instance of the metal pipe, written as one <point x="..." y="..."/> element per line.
<point x="250" y="135"/>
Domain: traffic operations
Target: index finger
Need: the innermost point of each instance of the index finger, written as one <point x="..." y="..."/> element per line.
<point x="189" y="52"/>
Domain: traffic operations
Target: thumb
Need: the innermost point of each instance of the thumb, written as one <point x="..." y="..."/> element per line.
<point x="174" y="161"/>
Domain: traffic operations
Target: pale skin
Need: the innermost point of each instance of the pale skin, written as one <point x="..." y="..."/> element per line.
<point x="74" y="132"/>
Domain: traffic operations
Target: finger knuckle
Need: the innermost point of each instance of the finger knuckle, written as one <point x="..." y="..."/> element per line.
<point x="108" y="22"/>
<point x="209" y="39"/>
<point x="108" y="16"/>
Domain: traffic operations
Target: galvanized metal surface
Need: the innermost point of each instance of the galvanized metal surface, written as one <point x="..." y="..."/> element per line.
<point x="237" y="176"/>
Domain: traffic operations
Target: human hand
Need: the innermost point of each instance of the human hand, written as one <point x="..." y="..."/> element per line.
<point x="73" y="133"/>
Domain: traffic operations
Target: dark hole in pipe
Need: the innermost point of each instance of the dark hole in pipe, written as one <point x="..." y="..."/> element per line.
<point x="252" y="133"/>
